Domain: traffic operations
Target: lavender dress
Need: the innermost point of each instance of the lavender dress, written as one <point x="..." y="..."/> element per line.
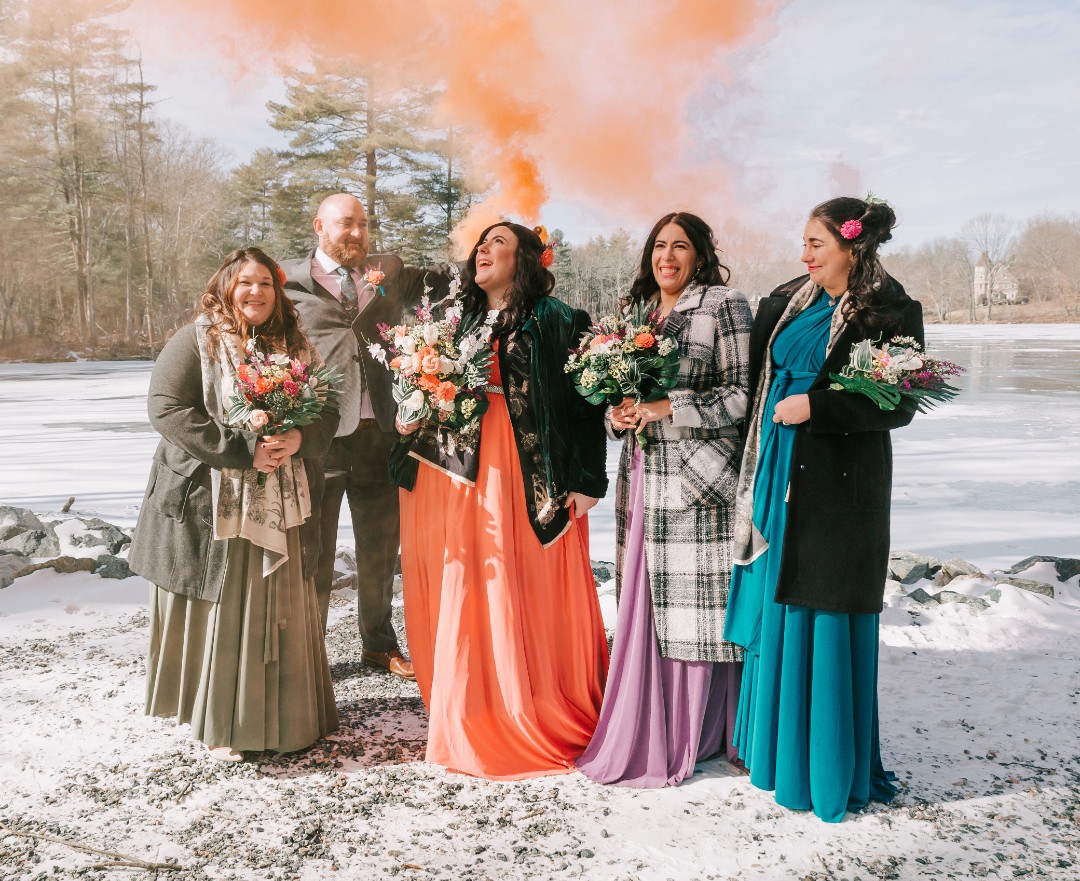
<point x="660" y="716"/>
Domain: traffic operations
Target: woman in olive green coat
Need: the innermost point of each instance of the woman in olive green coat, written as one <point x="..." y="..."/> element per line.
<point x="236" y="643"/>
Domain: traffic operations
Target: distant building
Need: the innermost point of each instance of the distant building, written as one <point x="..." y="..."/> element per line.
<point x="1004" y="288"/>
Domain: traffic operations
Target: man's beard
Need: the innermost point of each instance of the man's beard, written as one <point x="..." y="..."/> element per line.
<point x="348" y="254"/>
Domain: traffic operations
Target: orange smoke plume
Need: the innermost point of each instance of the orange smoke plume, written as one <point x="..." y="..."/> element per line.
<point x="590" y="101"/>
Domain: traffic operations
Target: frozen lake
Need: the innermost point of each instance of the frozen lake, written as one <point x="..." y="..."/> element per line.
<point x="992" y="477"/>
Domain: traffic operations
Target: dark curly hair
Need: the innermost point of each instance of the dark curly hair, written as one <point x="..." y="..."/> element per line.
<point x="712" y="271"/>
<point x="281" y="333"/>
<point x="872" y="304"/>
<point x="532" y="280"/>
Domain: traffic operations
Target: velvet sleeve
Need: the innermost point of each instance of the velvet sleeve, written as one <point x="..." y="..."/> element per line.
<point x="587" y="437"/>
<point x="835" y="411"/>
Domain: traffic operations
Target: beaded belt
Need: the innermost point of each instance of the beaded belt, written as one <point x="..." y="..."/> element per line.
<point x="490" y="389"/>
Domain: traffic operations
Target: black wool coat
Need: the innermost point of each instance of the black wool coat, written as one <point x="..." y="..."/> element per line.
<point x="836" y="545"/>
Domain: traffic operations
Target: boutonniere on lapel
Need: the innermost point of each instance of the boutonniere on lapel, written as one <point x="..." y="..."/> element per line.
<point x="897" y="374"/>
<point x="374" y="278"/>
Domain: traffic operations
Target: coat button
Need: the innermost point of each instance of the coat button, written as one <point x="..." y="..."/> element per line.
<point x="802" y="467"/>
<point x="845" y="474"/>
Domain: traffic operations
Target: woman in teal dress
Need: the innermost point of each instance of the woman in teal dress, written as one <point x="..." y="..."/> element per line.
<point x="812" y="528"/>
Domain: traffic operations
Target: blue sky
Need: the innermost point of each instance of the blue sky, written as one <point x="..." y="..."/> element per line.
<point x="948" y="109"/>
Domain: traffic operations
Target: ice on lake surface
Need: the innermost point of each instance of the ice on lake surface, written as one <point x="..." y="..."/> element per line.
<point x="992" y="477"/>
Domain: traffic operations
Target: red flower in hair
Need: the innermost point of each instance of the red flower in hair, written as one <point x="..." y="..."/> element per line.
<point x="281" y="276"/>
<point x="547" y="258"/>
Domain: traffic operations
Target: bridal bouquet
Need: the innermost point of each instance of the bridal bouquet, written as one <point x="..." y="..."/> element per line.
<point x="624" y="357"/>
<point x="897" y="374"/>
<point x="440" y="366"/>
<point x="274" y="393"/>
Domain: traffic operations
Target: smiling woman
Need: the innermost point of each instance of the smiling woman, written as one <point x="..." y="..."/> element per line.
<point x="501" y="609"/>
<point x="812" y="522"/>
<point x="253" y="293"/>
<point x="220" y="536"/>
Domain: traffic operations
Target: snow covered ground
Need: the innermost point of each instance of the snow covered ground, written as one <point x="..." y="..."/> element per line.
<point x="979" y="702"/>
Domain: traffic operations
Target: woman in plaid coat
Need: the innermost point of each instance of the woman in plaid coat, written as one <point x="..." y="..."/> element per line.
<point x="674" y="681"/>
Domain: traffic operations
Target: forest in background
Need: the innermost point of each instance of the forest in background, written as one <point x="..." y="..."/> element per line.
<point x="112" y="217"/>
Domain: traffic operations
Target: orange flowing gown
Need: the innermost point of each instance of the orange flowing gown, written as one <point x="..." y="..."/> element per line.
<point x="505" y="635"/>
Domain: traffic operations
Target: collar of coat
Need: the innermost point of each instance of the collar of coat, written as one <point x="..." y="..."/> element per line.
<point x="748" y="542"/>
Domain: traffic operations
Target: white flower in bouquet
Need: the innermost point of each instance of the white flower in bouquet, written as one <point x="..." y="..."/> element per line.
<point x="431" y="334"/>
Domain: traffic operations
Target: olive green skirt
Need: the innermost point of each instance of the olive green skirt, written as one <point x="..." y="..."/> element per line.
<point x="249" y="672"/>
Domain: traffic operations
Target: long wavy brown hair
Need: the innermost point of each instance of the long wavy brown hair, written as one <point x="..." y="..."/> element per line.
<point x="281" y="333"/>
<point x="872" y="305"/>
<point x="711" y="272"/>
<point x="532" y="280"/>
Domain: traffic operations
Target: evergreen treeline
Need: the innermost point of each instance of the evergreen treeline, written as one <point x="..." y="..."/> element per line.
<point x="112" y="218"/>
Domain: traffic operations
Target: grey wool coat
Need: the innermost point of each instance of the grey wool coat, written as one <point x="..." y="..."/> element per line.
<point x="174" y="545"/>
<point x="690" y="471"/>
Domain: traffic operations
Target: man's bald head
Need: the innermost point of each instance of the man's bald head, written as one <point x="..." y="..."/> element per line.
<point x="342" y="227"/>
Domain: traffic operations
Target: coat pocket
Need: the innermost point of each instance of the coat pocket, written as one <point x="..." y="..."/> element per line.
<point x="710" y="471"/>
<point x="170" y="491"/>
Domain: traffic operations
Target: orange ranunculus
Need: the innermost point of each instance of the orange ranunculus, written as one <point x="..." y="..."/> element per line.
<point x="445" y="391"/>
<point x="244" y="372"/>
<point x="263" y="385"/>
<point x="396" y="362"/>
<point x="644" y="340"/>
<point x="428" y="382"/>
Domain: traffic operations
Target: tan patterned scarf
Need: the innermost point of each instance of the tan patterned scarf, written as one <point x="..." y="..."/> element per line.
<point x="748" y="543"/>
<point x="243" y="508"/>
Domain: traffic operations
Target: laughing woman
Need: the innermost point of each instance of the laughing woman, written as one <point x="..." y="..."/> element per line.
<point x="501" y="610"/>
<point x="812" y="530"/>
<point x="236" y="642"/>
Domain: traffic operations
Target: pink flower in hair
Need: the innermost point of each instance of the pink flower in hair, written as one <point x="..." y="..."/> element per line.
<point x="851" y="229"/>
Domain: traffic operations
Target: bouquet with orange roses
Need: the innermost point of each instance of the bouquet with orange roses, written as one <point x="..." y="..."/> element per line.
<point x="440" y="365"/>
<point x="624" y="357"/>
<point x="274" y="393"/>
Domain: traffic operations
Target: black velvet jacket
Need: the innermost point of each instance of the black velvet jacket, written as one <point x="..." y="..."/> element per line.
<point x="561" y="442"/>
<point x="836" y="545"/>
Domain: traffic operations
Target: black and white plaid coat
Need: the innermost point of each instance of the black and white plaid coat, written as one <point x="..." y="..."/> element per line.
<point x="691" y="469"/>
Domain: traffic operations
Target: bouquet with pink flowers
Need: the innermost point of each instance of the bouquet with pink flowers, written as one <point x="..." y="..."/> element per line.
<point x="624" y="357"/>
<point x="440" y="365"/>
<point x="897" y="374"/>
<point x="274" y="393"/>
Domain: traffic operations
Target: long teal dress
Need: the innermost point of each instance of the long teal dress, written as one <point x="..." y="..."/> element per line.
<point x="807" y="723"/>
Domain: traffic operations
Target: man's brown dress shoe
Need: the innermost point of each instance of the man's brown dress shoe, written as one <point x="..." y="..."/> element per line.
<point x="391" y="660"/>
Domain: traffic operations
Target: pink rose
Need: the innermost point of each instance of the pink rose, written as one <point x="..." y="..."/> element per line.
<point x="258" y="418"/>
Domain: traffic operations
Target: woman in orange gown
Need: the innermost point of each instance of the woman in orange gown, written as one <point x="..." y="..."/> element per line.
<point x="501" y="611"/>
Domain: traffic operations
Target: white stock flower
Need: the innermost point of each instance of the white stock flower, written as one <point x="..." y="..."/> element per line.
<point x="377" y="352"/>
